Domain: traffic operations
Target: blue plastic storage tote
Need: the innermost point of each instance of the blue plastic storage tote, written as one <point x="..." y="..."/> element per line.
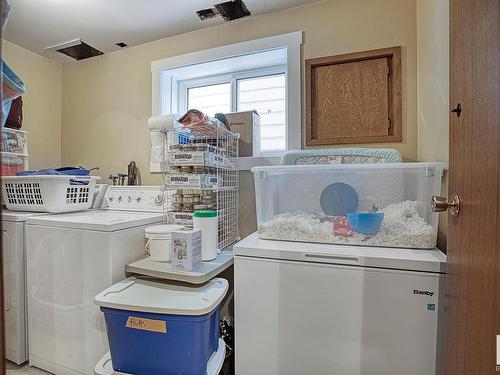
<point x="157" y="328"/>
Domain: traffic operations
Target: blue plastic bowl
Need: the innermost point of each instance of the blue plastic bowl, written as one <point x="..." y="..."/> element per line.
<point x="366" y="222"/>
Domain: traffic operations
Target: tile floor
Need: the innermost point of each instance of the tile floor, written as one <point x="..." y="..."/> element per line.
<point x="13" y="369"/>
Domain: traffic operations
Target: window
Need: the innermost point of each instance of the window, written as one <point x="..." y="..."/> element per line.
<point x="261" y="74"/>
<point x="262" y="90"/>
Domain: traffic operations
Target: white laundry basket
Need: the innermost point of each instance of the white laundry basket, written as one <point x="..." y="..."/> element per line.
<point x="48" y="193"/>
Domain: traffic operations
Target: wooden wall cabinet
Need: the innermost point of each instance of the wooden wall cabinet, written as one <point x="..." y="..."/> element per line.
<point x="354" y="98"/>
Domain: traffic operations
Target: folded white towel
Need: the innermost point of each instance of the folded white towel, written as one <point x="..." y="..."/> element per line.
<point x="158" y="138"/>
<point x="162" y="123"/>
<point x="159" y="154"/>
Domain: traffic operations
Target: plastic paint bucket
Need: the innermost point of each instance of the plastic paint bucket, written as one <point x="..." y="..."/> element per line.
<point x="159" y="244"/>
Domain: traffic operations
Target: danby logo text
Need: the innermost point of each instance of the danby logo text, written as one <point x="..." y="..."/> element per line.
<point x="423" y="292"/>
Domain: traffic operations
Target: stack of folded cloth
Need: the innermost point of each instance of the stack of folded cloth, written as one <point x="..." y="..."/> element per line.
<point x="159" y="127"/>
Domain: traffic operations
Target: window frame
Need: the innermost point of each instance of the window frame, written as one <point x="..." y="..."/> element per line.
<point x="232" y="79"/>
<point x="291" y="41"/>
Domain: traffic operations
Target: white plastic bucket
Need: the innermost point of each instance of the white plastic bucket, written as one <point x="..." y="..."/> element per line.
<point x="159" y="243"/>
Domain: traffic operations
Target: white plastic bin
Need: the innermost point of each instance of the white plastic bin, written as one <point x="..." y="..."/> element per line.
<point x="41" y="193"/>
<point x="214" y="365"/>
<point x="385" y="205"/>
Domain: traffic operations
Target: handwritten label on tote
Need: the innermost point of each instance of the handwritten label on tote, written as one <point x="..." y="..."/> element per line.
<point x="143" y="324"/>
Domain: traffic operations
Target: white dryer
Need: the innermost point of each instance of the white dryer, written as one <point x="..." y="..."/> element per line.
<point x="14" y="278"/>
<point x="71" y="258"/>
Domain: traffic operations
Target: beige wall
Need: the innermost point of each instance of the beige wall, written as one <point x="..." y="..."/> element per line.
<point x="107" y="100"/>
<point x="433" y="82"/>
<point x="433" y="88"/>
<point x="41" y="103"/>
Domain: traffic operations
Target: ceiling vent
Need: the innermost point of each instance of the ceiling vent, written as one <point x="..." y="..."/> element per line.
<point x="76" y="49"/>
<point x="229" y="10"/>
<point x="205" y="14"/>
<point x="121" y="45"/>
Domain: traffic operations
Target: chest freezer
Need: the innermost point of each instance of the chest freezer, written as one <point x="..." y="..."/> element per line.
<point x="332" y="309"/>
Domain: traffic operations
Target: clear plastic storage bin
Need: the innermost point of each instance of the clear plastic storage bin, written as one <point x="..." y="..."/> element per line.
<point x="13" y="163"/>
<point x="14" y="141"/>
<point x="385" y="205"/>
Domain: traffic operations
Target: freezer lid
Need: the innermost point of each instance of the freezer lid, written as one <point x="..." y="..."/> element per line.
<point x="163" y="297"/>
<point x="380" y="257"/>
<point x="97" y="220"/>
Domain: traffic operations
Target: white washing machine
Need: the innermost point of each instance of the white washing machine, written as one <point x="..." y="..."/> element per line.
<point x="72" y="257"/>
<point x="305" y="308"/>
<point x="14" y="274"/>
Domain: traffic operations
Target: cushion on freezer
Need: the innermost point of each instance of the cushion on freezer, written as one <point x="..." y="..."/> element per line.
<point x="341" y="156"/>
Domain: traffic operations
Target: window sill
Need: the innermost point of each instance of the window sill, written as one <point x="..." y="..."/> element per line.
<point x="247" y="163"/>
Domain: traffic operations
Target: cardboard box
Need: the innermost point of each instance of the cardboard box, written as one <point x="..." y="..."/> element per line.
<point x="202" y="158"/>
<point x="195" y="181"/>
<point x="247" y="125"/>
<point x="181" y="218"/>
<point x="186" y="249"/>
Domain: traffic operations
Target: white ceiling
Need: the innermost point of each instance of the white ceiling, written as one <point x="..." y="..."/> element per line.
<point x="37" y="24"/>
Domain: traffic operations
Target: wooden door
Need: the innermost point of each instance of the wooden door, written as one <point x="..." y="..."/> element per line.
<point x="2" y="328"/>
<point x="473" y="287"/>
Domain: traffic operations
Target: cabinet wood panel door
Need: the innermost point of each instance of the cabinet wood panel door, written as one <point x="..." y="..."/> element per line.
<point x="354" y="98"/>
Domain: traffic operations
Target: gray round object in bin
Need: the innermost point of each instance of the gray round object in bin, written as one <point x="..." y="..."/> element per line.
<point x="339" y="199"/>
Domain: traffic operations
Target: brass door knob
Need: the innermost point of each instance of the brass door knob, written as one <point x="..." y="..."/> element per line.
<point x="440" y="204"/>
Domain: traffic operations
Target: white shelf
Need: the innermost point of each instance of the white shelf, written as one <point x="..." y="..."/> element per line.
<point x="12" y="130"/>
<point x="164" y="270"/>
<point x="216" y="189"/>
<point x="18" y="154"/>
<point x="220" y="149"/>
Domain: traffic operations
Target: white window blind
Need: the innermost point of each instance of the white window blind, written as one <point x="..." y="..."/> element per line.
<point x="262" y="90"/>
<point x="210" y="99"/>
<point x="266" y="95"/>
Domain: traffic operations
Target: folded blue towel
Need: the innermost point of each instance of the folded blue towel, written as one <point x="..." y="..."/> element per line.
<point x="65" y="171"/>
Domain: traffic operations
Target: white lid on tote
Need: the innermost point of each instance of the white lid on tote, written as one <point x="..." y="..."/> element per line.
<point x="162" y="297"/>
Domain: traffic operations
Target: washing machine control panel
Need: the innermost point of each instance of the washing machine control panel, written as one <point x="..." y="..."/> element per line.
<point x="135" y="198"/>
